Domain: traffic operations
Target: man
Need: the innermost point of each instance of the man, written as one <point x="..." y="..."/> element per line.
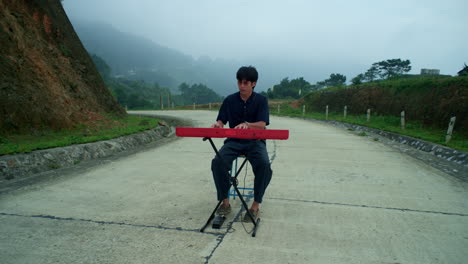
<point x="243" y="110"/>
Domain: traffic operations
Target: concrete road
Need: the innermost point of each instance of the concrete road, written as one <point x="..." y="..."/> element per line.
<point x="335" y="197"/>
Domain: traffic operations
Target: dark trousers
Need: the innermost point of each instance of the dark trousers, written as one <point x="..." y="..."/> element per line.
<point x="255" y="152"/>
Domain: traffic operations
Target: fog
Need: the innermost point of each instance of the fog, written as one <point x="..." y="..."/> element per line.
<point x="296" y="37"/>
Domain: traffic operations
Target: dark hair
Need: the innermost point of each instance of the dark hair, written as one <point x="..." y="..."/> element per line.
<point x="248" y="73"/>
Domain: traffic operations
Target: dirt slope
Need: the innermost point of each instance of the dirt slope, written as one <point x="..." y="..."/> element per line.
<point x="47" y="79"/>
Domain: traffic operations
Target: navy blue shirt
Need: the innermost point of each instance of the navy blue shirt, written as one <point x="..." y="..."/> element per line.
<point x="235" y="111"/>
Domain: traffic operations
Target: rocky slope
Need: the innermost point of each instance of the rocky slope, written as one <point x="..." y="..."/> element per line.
<point x="47" y="79"/>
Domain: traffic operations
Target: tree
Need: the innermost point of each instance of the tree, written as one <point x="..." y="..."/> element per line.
<point x="198" y="94"/>
<point x="392" y="67"/>
<point x="300" y="85"/>
<point x="121" y="96"/>
<point x="314" y="87"/>
<point x="336" y="79"/>
<point x="184" y="88"/>
<point x="358" y="79"/>
<point x="289" y="89"/>
<point x="320" y="85"/>
<point x="464" y="71"/>
<point x="371" y="74"/>
<point x="136" y="101"/>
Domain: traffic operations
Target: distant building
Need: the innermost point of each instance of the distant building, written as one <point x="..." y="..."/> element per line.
<point x="430" y="71"/>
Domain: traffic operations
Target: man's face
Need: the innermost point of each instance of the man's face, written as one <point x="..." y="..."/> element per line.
<point x="245" y="87"/>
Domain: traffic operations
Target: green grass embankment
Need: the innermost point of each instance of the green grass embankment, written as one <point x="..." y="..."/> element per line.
<point x="387" y="123"/>
<point x="430" y="100"/>
<point x="100" y="130"/>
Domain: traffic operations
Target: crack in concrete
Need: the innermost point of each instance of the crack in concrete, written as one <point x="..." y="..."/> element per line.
<point x="109" y="223"/>
<point x="222" y="236"/>
<point x="369" y="206"/>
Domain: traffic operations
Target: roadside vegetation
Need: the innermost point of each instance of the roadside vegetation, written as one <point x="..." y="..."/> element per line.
<point x="101" y="129"/>
<point x="428" y="101"/>
<point x="386" y="123"/>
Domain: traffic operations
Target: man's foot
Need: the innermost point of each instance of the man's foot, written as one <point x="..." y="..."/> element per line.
<point x="254" y="214"/>
<point x="224" y="209"/>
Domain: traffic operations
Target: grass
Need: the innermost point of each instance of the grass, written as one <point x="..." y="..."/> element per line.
<point x="386" y="123"/>
<point x="102" y="130"/>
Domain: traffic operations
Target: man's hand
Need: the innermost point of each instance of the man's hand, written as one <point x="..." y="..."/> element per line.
<point x="255" y="125"/>
<point x="218" y="124"/>
<point x="244" y="125"/>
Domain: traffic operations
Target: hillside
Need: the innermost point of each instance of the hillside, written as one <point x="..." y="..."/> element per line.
<point x="138" y="58"/>
<point x="48" y="80"/>
<point x="430" y="100"/>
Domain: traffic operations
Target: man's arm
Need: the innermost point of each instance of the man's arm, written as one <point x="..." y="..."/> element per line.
<point x="222" y="115"/>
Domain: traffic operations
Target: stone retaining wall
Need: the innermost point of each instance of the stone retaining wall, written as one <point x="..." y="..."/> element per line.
<point x="449" y="154"/>
<point x="22" y="165"/>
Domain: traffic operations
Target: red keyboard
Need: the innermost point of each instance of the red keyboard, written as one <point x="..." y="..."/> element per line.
<point x="232" y="133"/>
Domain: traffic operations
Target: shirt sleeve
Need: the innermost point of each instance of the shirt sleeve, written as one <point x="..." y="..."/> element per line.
<point x="222" y="114"/>
<point x="263" y="113"/>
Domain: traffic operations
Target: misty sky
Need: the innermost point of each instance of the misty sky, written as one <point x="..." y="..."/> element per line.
<point x="341" y="36"/>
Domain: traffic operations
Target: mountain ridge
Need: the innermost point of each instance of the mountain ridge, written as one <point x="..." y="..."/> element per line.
<point x="136" y="57"/>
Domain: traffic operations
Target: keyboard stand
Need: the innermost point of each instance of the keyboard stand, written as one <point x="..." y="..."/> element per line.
<point x="234" y="183"/>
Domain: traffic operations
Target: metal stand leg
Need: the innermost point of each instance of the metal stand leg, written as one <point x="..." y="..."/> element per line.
<point x="254" y="232"/>
<point x="211" y="217"/>
<point x="234" y="183"/>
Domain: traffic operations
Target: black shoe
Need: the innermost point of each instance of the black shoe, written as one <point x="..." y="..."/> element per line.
<point x="254" y="215"/>
<point x="224" y="210"/>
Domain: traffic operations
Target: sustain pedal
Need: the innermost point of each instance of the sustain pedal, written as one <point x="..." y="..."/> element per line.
<point x="218" y="221"/>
